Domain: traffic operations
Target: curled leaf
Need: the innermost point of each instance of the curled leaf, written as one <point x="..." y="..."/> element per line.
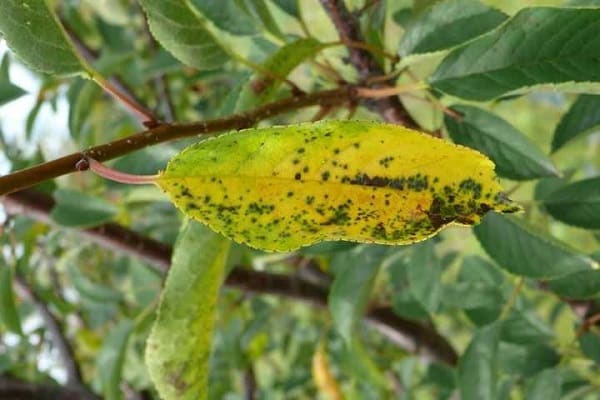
<point x="282" y="188"/>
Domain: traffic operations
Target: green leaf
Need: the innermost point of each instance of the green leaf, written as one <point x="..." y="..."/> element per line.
<point x="33" y="32"/>
<point x="546" y="385"/>
<point x="578" y="285"/>
<point x="179" y="30"/>
<point x="583" y="116"/>
<point x="424" y="273"/>
<point x="524" y="361"/>
<point x="516" y="157"/>
<point x="77" y="209"/>
<point x="291" y="7"/>
<point x="331" y="180"/>
<point x="263" y="87"/>
<point x="589" y="342"/>
<point x="447" y="24"/>
<point x="178" y="349"/>
<point x="8" y="91"/>
<point x="352" y="286"/>
<point x="525" y="328"/>
<point x="471" y="295"/>
<point x="537" y="46"/>
<point x="226" y="15"/>
<point x="260" y="12"/>
<point x="519" y="249"/>
<point x="110" y="359"/>
<point x="477" y="367"/>
<point x="358" y="363"/>
<point x="90" y="290"/>
<point x="576" y="204"/>
<point x="9" y="315"/>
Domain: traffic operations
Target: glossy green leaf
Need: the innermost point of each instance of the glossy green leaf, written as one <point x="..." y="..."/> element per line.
<point x="589" y="342"/>
<point x="546" y="385"/>
<point x="521" y="250"/>
<point x="352" y="286"/>
<point x="332" y="180"/>
<point x="424" y="276"/>
<point x="178" y="349"/>
<point x="77" y="209"/>
<point x="111" y="358"/>
<point x="583" y="116"/>
<point x="477" y="367"/>
<point x="537" y="46"/>
<point x="578" y="285"/>
<point x="8" y="91"/>
<point x="263" y="87"/>
<point x="516" y="157"/>
<point x="226" y="15"/>
<point x="576" y="204"/>
<point x="9" y="315"/>
<point x="178" y="29"/>
<point x="23" y="23"/>
<point x="447" y="24"/>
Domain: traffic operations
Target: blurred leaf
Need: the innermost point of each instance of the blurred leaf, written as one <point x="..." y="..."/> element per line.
<point x="577" y="285"/>
<point x="178" y="349"/>
<point x="77" y="209"/>
<point x="405" y="186"/>
<point x="471" y="295"/>
<point x="358" y="363"/>
<point x="516" y="157"/>
<point x="526" y="360"/>
<point x="226" y="15"/>
<point x="583" y="116"/>
<point x="477" y="366"/>
<point x="525" y="328"/>
<point x="589" y="342"/>
<point x="442" y="377"/>
<point x="179" y="30"/>
<point x="263" y="87"/>
<point x="325" y="248"/>
<point x="519" y="249"/>
<point x="32" y="117"/>
<point x="82" y="96"/>
<point x="291" y="7"/>
<point x="447" y="24"/>
<point x="114" y="12"/>
<point x="352" y="286"/>
<point x="260" y="12"/>
<point x="23" y="23"/>
<point x="324" y="379"/>
<point x="90" y="290"/>
<point x="424" y="273"/>
<point x="8" y="91"/>
<point x="583" y="3"/>
<point x="9" y="315"/>
<point x="557" y="47"/>
<point x="111" y="358"/>
<point x="545" y="385"/>
<point x="577" y="203"/>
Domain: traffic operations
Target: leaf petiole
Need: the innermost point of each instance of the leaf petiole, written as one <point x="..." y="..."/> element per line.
<point x="118" y="176"/>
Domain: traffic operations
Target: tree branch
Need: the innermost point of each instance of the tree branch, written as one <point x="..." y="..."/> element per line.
<point x="412" y="335"/>
<point x="52" y="169"/>
<point x="348" y="27"/>
<point x="15" y="389"/>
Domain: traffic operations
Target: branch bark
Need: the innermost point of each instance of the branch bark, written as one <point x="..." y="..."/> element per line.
<point x="348" y="27"/>
<point x="411" y="335"/>
<point x="15" y="389"/>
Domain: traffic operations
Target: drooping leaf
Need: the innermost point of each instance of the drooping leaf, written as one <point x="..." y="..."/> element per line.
<point x="447" y="24"/>
<point x="9" y="315"/>
<point x="352" y="286"/>
<point x="424" y="276"/>
<point x="546" y="385"/>
<point x="477" y="366"/>
<point x="77" y="209"/>
<point x="521" y="250"/>
<point x="576" y="204"/>
<point x="578" y="285"/>
<point x="24" y="23"/>
<point x="583" y="116"/>
<point x="178" y="29"/>
<point x="178" y="349"/>
<point x="110" y="359"/>
<point x="8" y="91"/>
<point x="516" y="157"/>
<point x="263" y="86"/>
<point x="540" y="45"/>
<point x="226" y="15"/>
<point x="332" y="180"/>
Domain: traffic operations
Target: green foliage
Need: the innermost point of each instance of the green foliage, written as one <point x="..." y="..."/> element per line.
<point x="583" y="116"/>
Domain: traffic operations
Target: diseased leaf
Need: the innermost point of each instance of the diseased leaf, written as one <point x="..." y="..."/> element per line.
<point x="178" y="29"/>
<point x="447" y="24"/>
<point x="23" y="23"/>
<point x="520" y="250"/>
<point x="516" y="157"/>
<point x="583" y="116"/>
<point x="478" y="365"/>
<point x="578" y="285"/>
<point x="352" y="286"/>
<point x="540" y="45"/>
<point x="263" y="87"/>
<point x="110" y="359"/>
<point x="178" y="349"/>
<point x="9" y="315"/>
<point x="576" y="203"/>
<point x="332" y="180"/>
<point x="77" y="209"/>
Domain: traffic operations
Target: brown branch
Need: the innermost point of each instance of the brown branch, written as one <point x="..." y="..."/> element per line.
<point x="348" y="27"/>
<point x="15" y="389"/>
<point x="411" y="335"/>
<point x="52" y="169"/>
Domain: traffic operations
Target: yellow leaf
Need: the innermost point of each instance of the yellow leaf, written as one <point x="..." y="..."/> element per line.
<point x="324" y="379"/>
<point x="281" y="188"/>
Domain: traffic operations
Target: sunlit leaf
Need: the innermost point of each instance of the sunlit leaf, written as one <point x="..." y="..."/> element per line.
<point x="282" y="188"/>
<point x="178" y="349"/>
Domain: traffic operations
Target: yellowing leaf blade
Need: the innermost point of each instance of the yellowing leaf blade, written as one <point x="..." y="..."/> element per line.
<point x="281" y="188"/>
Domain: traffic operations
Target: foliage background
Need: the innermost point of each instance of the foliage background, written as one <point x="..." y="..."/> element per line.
<point x="84" y="310"/>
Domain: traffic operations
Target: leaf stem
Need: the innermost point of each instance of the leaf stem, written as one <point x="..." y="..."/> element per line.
<point x="118" y="176"/>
